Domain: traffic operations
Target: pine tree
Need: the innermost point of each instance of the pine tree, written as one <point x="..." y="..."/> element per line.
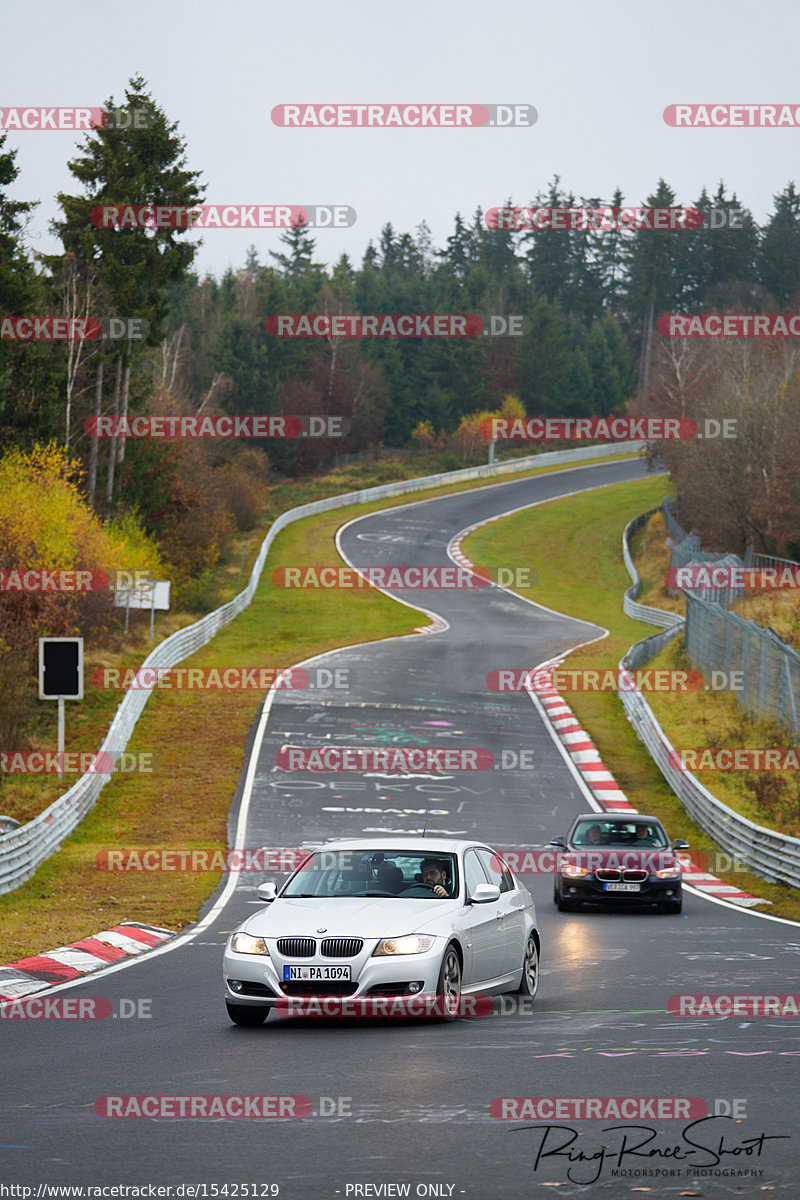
<point x="656" y="276"/>
<point x="138" y="166"/>
<point x="779" y="256"/>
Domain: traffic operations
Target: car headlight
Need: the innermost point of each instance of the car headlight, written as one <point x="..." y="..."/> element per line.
<point x="668" y="872"/>
<point x="573" y="871"/>
<point x="412" y="943"/>
<point x="245" y="943"/>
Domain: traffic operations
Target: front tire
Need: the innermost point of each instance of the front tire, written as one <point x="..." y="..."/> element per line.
<point x="673" y="906"/>
<point x="448" y="989"/>
<point x="529" y="983"/>
<point x="245" y="1014"/>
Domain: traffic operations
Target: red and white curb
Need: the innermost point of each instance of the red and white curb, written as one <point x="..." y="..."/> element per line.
<point x="607" y="791"/>
<point x="581" y="748"/>
<point x="458" y="555"/>
<point x="461" y="559"/>
<point x="715" y="887"/>
<point x="437" y="625"/>
<point x="29" y="975"/>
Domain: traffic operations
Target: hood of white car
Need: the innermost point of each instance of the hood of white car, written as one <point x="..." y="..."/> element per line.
<point x="348" y="916"/>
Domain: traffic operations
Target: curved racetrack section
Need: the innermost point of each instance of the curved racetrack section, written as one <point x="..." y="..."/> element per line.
<point x="411" y="1099"/>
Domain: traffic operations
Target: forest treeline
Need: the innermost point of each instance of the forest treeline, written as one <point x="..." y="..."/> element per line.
<point x="590" y="302"/>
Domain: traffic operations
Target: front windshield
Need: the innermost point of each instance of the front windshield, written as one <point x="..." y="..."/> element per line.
<point x="619" y="833"/>
<point x="404" y="874"/>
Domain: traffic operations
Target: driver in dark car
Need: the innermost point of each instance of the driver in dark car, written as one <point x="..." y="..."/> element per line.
<point x="434" y="875"/>
<point x="645" y="836"/>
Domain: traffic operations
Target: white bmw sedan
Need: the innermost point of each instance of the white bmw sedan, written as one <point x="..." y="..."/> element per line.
<point x="386" y="917"/>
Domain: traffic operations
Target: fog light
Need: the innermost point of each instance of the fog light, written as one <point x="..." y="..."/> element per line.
<point x="416" y="986"/>
<point x="235" y="985"/>
<point x="572" y="891"/>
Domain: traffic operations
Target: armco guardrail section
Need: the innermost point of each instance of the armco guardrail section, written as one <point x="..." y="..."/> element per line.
<point x="642" y="612"/>
<point x="774" y="856"/>
<point x="24" y="849"/>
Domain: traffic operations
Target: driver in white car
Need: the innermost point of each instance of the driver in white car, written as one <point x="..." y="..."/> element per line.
<point x="434" y="874"/>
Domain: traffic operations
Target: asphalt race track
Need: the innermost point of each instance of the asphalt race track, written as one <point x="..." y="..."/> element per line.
<point x="409" y="1101"/>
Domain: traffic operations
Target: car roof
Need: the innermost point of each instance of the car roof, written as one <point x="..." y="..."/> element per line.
<point x="616" y="815"/>
<point x="398" y="842"/>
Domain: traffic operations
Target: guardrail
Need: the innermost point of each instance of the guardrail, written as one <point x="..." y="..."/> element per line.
<point x="642" y="612"/>
<point x="774" y="856"/>
<point x="24" y="849"/>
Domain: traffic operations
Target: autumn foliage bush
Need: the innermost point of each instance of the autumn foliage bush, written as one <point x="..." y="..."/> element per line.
<point x="46" y="525"/>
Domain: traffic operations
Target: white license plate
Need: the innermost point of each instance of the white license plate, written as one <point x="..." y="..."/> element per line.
<point x="316" y="973"/>
<point x="622" y="887"/>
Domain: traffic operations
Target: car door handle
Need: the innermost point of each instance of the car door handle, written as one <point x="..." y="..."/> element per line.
<point x="499" y="916"/>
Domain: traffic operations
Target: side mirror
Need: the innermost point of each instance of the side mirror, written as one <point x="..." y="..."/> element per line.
<point x="557" y="841"/>
<point x="485" y="893"/>
<point x="267" y="891"/>
<point x="680" y="844"/>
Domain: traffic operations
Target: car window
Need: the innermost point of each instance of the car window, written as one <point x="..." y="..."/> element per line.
<point x="474" y="873"/>
<point x="619" y="833"/>
<point x="496" y="870"/>
<point x="391" y="873"/>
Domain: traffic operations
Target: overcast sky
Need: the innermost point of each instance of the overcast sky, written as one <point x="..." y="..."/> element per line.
<point x="598" y="74"/>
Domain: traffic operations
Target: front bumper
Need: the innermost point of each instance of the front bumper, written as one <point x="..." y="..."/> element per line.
<point x="258" y="980"/>
<point x="651" y="891"/>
